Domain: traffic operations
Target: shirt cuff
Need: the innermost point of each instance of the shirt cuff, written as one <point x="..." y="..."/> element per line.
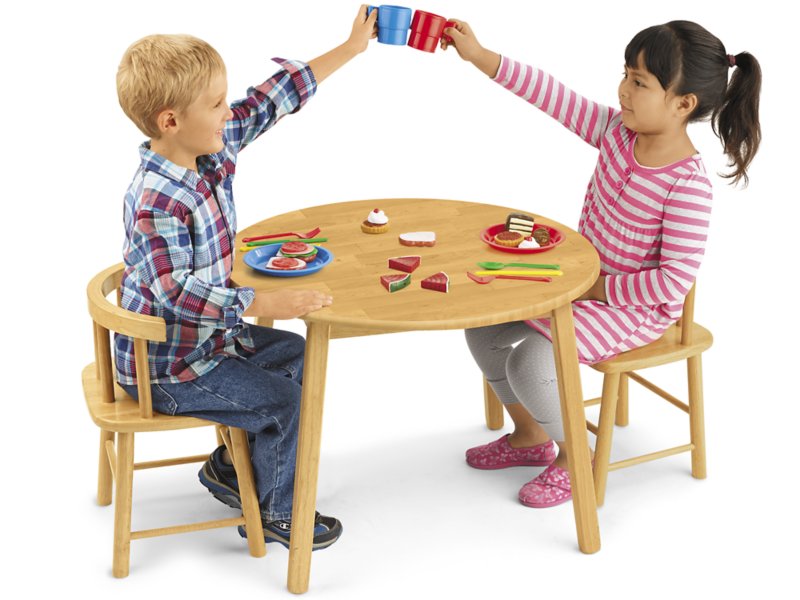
<point x="613" y="285"/>
<point x="232" y="315"/>
<point x="305" y="84"/>
<point x="503" y="71"/>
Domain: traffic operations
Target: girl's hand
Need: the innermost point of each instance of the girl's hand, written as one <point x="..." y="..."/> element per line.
<point x="364" y="29"/>
<point x="287" y="304"/>
<point x="597" y="291"/>
<point x="464" y="40"/>
<point x="469" y="48"/>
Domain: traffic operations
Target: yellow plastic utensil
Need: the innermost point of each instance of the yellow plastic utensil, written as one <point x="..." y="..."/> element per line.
<point x="539" y="272"/>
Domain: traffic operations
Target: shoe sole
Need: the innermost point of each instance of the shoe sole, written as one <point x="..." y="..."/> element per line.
<point x="220" y="491"/>
<point x="532" y="505"/>
<point x="270" y="537"/>
<point x="506" y="465"/>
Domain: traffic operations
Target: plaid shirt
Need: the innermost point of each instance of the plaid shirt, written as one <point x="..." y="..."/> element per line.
<point x="180" y="228"/>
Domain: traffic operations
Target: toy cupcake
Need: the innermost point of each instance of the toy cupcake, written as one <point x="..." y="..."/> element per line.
<point x="529" y="242"/>
<point x="377" y="222"/>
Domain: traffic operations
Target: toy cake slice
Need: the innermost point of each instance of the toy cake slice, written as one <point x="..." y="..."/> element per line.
<point x="521" y="223"/>
<point x="395" y="281"/>
<point x="439" y="282"/>
<point x="407" y="264"/>
<point x="418" y="238"/>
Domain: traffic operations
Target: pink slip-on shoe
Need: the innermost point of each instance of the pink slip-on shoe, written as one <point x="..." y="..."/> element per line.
<point x="499" y="455"/>
<point x="550" y="488"/>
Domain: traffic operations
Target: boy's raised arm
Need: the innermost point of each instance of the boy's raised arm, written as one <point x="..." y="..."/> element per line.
<point x="363" y="31"/>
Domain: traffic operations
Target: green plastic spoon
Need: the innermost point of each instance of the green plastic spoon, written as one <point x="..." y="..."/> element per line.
<point x="492" y="266"/>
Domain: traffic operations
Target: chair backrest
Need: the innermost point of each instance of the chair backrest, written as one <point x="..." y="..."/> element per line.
<point x="108" y="316"/>
<point x="686" y="322"/>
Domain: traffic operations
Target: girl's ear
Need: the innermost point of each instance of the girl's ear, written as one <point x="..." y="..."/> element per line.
<point x="686" y="105"/>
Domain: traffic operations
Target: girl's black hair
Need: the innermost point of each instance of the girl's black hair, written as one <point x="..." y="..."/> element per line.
<point x="687" y="59"/>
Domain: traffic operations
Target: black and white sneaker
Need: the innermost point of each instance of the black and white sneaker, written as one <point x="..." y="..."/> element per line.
<point x="326" y="531"/>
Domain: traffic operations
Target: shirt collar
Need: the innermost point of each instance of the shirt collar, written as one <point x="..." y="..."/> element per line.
<point x="155" y="163"/>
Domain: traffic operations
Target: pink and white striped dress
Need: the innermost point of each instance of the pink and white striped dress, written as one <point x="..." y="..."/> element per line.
<point x="649" y="225"/>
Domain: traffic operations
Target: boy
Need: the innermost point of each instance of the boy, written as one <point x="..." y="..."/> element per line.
<point x="180" y="225"/>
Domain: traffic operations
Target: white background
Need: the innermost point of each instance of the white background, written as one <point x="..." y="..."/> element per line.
<point x="400" y="409"/>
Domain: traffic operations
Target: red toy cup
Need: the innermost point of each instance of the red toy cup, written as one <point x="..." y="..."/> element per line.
<point x="426" y="31"/>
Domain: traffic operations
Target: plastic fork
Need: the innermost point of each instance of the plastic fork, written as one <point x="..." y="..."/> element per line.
<point x="490" y="278"/>
<point x="493" y="266"/>
<point x="302" y="236"/>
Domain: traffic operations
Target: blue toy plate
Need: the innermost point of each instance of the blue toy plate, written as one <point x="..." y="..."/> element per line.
<point x="258" y="258"/>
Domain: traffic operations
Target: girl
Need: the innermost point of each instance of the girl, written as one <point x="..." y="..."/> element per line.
<point x="646" y="211"/>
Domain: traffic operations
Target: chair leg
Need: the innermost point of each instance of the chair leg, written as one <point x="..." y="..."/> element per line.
<point x="122" y="507"/>
<point x="105" y="478"/>
<point x="696" y="418"/>
<point x="218" y="430"/>
<point x="492" y="406"/>
<point x="247" y="491"/>
<point x="605" y="431"/>
<point x="622" y="401"/>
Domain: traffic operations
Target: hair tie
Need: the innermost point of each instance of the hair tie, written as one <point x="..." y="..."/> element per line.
<point x="731" y="60"/>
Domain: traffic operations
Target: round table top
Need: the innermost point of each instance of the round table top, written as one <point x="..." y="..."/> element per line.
<point x="360" y="259"/>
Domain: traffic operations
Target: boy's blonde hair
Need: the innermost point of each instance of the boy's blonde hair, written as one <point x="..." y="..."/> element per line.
<point x="164" y="71"/>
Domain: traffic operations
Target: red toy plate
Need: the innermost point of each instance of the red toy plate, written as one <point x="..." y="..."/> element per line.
<point x="487" y="236"/>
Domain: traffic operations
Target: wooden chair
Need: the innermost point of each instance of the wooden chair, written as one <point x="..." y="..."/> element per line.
<point x="685" y="340"/>
<point x="119" y="416"/>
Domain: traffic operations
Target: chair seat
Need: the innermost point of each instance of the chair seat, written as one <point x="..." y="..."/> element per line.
<point x="123" y="414"/>
<point x="666" y="349"/>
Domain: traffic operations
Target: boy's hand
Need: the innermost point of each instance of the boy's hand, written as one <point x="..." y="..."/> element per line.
<point x="364" y="29"/>
<point x="287" y="304"/>
<point x="469" y="48"/>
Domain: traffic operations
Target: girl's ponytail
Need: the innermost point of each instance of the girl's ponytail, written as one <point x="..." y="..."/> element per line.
<point x="735" y="121"/>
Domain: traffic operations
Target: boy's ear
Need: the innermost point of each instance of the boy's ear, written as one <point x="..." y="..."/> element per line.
<point x="686" y="104"/>
<point x="167" y="122"/>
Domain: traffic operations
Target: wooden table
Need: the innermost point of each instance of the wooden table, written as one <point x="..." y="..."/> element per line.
<point x="362" y="306"/>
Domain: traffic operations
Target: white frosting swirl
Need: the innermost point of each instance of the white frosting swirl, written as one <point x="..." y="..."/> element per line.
<point x="377" y="217"/>
<point x="529" y="243"/>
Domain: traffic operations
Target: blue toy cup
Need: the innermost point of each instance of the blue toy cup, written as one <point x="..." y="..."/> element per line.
<point x="393" y="23"/>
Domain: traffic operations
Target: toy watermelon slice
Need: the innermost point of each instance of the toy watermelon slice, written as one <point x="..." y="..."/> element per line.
<point x="439" y="282"/>
<point x="395" y="281"/>
<point x="284" y="263"/>
<point x="406" y="264"/>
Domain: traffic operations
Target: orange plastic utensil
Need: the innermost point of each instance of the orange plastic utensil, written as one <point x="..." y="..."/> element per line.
<point x="490" y="278"/>
<point x="302" y="236"/>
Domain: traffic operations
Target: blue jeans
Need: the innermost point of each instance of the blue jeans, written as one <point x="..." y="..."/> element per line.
<point x="260" y="393"/>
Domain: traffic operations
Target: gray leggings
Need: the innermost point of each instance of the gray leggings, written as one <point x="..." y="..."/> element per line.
<point x="518" y="363"/>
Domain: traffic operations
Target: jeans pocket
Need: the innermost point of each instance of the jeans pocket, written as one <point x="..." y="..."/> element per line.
<point x="163" y="401"/>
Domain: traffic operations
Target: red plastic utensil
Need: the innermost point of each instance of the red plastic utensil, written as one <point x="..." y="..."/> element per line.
<point x="302" y="236"/>
<point x="489" y="278"/>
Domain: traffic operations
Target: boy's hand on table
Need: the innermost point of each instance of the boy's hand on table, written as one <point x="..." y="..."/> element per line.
<point x="468" y="48"/>
<point x="287" y="304"/>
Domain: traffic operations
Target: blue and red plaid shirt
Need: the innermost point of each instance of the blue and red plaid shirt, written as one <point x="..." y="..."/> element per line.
<point x="180" y="228"/>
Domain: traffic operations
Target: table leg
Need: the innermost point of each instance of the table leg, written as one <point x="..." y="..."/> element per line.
<point x="562" y="327"/>
<point x="308" y="444"/>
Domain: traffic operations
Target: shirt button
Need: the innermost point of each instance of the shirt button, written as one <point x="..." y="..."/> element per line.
<point x="627" y="170"/>
<point x="619" y="185"/>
